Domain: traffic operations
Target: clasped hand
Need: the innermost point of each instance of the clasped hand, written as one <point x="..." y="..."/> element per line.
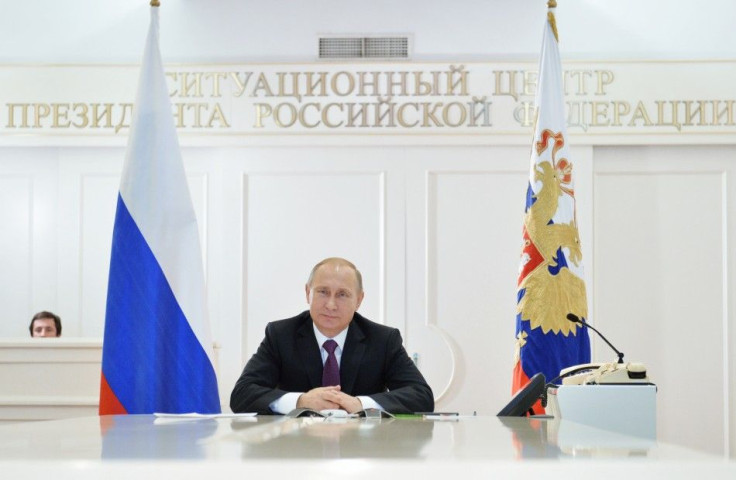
<point x="327" y="398"/>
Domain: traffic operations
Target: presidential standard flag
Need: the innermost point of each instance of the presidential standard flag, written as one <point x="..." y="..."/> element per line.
<point x="157" y="355"/>
<point x="550" y="284"/>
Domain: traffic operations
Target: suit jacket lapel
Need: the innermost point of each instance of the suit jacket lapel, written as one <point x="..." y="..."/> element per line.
<point x="308" y="352"/>
<point x="352" y="356"/>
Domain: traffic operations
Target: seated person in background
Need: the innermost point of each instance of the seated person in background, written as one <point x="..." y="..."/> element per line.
<point x="287" y="372"/>
<point x="45" y="324"/>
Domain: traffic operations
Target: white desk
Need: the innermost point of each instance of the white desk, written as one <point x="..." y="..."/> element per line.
<point x="276" y="447"/>
<point x="627" y="409"/>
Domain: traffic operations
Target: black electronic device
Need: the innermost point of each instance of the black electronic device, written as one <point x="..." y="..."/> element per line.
<point x="521" y="403"/>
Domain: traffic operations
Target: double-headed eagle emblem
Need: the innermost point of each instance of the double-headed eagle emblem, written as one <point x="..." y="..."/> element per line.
<point x="551" y="289"/>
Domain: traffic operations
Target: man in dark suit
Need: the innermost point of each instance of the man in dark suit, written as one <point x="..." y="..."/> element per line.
<point x="286" y="372"/>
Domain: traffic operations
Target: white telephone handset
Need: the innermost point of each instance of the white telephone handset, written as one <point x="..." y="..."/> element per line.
<point x="605" y="373"/>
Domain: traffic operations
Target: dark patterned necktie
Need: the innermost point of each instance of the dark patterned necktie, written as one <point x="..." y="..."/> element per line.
<point x="331" y="371"/>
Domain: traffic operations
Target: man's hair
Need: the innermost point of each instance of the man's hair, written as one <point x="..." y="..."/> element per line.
<point x="45" y="314"/>
<point x="337" y="261"/>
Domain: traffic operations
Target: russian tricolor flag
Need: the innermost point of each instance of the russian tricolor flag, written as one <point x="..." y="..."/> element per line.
<point x="157" y="355"/>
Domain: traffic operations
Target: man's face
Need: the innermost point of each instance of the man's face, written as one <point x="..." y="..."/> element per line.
<point x="333" y="298"/>
<point x="44" y="327"/>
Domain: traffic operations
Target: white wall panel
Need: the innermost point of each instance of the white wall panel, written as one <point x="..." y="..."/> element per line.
<point x="98" y="203"/>
<point x="88" y="185"/>
<point x="294" y="221"/>
<point x="464" y="217"/>
<point x="28" y="179"/>
<point x="16" y="218"/>
<point x="661" y="248"/>
<point x="474" y="257"/>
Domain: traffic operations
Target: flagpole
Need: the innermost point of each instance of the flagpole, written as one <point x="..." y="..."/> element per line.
<point x="550" y="17"/>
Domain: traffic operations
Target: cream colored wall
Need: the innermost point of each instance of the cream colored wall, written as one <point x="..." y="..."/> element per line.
<point x="436" y="232"/>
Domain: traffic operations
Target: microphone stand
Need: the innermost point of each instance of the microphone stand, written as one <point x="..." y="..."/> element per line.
<point x="575" y="319"/>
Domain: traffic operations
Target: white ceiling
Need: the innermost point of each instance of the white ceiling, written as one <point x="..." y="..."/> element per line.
<point x="222" y="31"/>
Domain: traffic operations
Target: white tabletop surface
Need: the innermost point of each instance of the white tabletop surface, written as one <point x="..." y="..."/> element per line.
<point x="143" y="446"/>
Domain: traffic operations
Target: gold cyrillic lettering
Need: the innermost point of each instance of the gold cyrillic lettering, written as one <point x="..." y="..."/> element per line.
<point x="186" y="86"/>
<point x="353" y="114"/>
<point x="294" y="85"/>
<point x="581" y="76"/>
<point x="462" y="81"/>
<point x="529" y="82"/>
<point x="335" y="83"/>
<point x="240" y="85"/>
<point x="262" y="84"/>
<point x="218" y="116"/>
<point x="605" y="78"/>
<point x="421" y="87"/>
<point x="215" y="77"/>
<point x="576" y="115"/>
<point x="524" y="114"/>
<point x="60" y="112"/>
<point x="179" y="115"/>
<point x="303" y="118"/>
<point x="11" y="115"/>
<point x="640" y="113"/>
<point x="620" y="109"/>
<point x="292" y="113"/>
<point x="661" y="114"/>
<point x="429" y="114"/>
<point x="448" y="117"/>
<point x="363" y="83"/>
<point x="263" y="110"/>
<point x="691" y="113"/>
<point x="400" y="115"/>
<point x="106" y="114"/>
<point x="127" y="107"/>
<point x="82" y="110"/>
<point x="173" y="76"/>
<point x="325" y="115"/>
<point x="726" y="112"/>
<point x="401" y="83"/>
<point x="197" y="109"/>
<point x="509" y="85"/>
<point x="599" y="114"/>
<point x="485" y="108"/>
<point x="387" y="114"/>
<point x="320" y="82"/>
<point x="41" y="111"/>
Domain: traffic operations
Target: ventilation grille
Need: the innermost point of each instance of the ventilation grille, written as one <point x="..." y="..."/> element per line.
<point x="364" y="47"/>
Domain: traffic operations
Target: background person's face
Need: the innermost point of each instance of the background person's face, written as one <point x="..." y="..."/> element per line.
<point x="333" y="298"/>
<point x="44" y="327"/>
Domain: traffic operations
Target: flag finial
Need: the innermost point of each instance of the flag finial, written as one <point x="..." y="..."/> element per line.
<point x="155" y="3"/>
<point x="551" y="18"/>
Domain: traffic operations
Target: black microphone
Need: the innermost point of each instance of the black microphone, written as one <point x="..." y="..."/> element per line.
<point x="573" y="318"/>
